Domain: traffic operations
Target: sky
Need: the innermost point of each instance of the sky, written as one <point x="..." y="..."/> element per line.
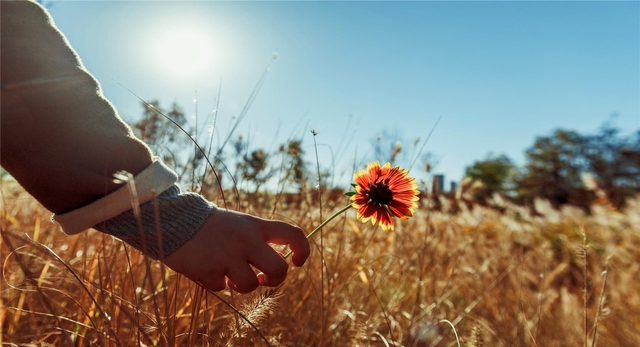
<point x="493" y="76"/>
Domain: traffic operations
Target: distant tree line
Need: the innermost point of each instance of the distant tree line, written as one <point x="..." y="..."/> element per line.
<point x="565" y="168"/>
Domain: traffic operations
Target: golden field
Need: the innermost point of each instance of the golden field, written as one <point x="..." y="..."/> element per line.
<point x="484" y="276"/>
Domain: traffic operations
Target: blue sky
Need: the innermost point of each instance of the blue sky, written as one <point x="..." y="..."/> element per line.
<point x="498" y="74"/>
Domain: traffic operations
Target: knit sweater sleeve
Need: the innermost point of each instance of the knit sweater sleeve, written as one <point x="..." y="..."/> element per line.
<point x="150" y="212"/>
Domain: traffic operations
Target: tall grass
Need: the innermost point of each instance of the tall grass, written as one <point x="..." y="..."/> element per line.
<point x="500" y="278"/>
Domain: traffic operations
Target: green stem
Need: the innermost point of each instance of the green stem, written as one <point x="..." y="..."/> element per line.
<point x="344" y="209"/>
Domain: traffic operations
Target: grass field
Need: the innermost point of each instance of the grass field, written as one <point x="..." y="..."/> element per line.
<point x="500" y="278"/>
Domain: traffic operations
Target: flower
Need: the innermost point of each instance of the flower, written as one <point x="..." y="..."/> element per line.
<point x="382" y="193"/>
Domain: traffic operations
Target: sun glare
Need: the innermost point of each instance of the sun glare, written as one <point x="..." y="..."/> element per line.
<point x="184" y="53"/>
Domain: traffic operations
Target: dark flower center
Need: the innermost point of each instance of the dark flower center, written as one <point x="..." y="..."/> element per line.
<point x="380" y="193"/>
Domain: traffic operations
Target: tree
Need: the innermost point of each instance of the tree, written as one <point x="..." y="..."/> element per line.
<point x="553" y="170"/>
<point x="615" y="162"/>
<point x="253" y="168"/>
<point x="496" y="173"/>
<point x="555" y="166"/>
<point x="294" y="165"/>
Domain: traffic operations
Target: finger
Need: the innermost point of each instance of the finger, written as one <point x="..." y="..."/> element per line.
<point x="286" y="234"/>
<point x="273" y="266"/>
<point x="214" y="283"/>
<point x="242" y="279"/>
<point x="264" y="281"/>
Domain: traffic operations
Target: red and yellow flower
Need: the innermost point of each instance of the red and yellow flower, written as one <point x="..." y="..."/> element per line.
<point x="382" y="193"/>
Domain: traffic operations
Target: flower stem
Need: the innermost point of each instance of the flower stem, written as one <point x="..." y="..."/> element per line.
<point x="344" y="209"/>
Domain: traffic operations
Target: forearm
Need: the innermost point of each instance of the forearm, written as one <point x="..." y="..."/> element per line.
<point x="60" y="138"/>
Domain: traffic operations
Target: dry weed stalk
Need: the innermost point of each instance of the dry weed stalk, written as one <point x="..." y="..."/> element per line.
<point x="477" y="337"/>
<point x="254" y="310"/>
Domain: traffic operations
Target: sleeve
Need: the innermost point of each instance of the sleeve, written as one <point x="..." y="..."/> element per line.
<point x="155" y="224"/>
<point x="63" y="141"/>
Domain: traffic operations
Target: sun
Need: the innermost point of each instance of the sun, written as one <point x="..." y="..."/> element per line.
<point x="184" y="52"/>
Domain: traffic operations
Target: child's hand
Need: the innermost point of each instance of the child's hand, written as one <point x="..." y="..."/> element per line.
<point x="229" y="242"/>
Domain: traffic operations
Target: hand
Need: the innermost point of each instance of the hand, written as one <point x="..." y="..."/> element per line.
<point x="230" y="242"/>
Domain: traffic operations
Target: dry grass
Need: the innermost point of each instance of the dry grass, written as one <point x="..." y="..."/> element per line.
<point x="501" y="278"/>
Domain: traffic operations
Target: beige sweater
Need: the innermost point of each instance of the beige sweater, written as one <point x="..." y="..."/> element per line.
<point x="63" y="141"/>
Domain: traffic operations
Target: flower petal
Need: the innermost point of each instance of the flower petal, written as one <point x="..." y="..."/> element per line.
<point x="395" y="185"/>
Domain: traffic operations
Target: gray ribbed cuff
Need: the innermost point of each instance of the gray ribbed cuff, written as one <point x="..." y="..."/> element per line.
<point x="180" y="215"/>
